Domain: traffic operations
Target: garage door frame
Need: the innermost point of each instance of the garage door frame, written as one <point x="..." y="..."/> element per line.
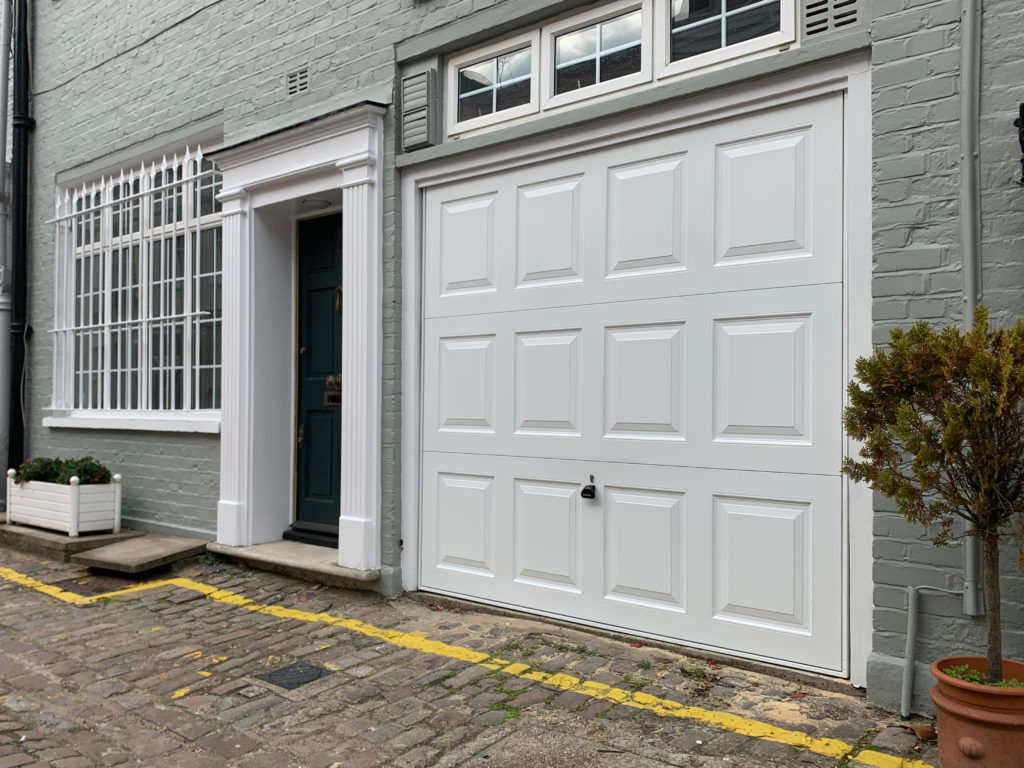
<point x="848" y="76"/>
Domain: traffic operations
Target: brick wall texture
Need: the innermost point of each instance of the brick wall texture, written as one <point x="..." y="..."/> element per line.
<point x="916" y="118"/>
<point x="115" y="74"/>
<point x="110" y="75"/>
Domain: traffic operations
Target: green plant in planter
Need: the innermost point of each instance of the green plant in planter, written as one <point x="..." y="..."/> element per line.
<point x="941" y="417"/>
<point x="87" y="470"/>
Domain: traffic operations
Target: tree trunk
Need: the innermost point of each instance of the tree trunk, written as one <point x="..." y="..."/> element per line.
<point x="993" y="604"/>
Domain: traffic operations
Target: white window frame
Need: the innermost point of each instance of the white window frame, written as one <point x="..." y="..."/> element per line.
<point x="663" y="42"/>
<point x="70" y="204"/>
<point x="507" y="45"/>
<point x="552" y="100"/>
<point x="655" y="50"/>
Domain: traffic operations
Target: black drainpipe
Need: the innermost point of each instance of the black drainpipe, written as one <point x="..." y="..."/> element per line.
<point x="21" y="123"/>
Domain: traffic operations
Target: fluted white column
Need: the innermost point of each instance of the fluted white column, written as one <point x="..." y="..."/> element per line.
<point x="361" y="343"/>
<point x="234" y="523"/>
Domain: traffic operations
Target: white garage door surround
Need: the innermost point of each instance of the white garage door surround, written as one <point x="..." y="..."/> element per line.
<point x="660" y="312"/>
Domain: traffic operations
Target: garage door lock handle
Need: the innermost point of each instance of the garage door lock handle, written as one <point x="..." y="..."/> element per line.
<point x="588" y="492"/>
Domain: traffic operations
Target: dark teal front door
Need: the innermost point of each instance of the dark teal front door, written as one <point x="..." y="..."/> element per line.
<point x="318" y="434"/>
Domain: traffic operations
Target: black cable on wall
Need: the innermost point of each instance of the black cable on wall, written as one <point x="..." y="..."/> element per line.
<point x="22" y="124"/>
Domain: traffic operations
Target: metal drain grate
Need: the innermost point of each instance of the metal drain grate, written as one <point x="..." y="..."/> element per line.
<point x="294" y="676"/>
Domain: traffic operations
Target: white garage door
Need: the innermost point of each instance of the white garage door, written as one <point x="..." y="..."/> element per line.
<point x="662" y="319"/>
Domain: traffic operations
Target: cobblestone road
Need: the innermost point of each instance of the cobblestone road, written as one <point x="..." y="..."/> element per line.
<point x="182" y="675"/>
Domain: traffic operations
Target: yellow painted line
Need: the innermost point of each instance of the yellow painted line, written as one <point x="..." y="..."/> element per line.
<point x="418" y="642"/>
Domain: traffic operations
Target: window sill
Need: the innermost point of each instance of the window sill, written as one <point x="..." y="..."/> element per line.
<point x="207" y="422"/>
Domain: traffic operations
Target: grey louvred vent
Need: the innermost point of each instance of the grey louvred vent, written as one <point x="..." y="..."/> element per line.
<point x="298" y="81"/>
<point x="824" y="15"/>
<point x="420" y="110"/>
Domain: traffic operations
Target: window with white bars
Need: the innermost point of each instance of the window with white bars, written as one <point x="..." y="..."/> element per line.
<point x="139" y="274"/>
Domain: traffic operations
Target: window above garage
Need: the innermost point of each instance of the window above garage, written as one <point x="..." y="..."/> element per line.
<point x="610" y="48"/>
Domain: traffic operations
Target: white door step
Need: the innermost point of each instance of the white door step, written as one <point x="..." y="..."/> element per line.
<point x="143" y="553"/>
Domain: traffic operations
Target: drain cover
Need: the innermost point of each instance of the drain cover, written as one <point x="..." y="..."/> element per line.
<point x="294" y="676"/>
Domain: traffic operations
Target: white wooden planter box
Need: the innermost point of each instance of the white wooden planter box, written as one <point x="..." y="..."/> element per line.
<point x="71" y="508"/>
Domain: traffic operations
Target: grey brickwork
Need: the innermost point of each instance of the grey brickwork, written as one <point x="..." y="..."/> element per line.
<point x="916" y="59"/>
<point x="115" y="79"/>
<point x="112" y="78"/>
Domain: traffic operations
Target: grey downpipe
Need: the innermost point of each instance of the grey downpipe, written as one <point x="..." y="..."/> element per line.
<point x="970" y="249"/>
<point x="970" y="237"/>
<point x="910" y="654"/>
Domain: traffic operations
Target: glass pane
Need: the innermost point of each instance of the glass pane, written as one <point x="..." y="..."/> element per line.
<point x="624" y="62"/>
<point x="690" y="11"/>
<point x="514" y="95"/>
<point x="476" y="105"/>
<point x="206" y="389"/>
<point x="696" y="40"/>
<point x="513" y="65"/>
<point x="753" y="23"/>
<point x="621" y="31"/>
<point x="574" y="45"/>
<point x="575" y="76"/>
<point x="206" y="299"/>
<point x="206" y="344"/>
<point x="476" y="77"/>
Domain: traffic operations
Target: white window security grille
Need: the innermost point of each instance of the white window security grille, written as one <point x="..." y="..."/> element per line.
<point x="138" y="291"/>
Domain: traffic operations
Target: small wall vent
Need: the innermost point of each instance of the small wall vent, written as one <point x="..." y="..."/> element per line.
<point x="824" y="15"/>
<point x="421" y="107"/>
<point x="298" y="81"/>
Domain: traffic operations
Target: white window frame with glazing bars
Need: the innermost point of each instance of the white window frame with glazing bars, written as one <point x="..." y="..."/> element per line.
<point x="656" y="66"/>
<point x="142" y="190"/>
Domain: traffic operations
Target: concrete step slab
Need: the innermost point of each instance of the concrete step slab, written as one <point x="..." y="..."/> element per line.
<point x="303" y="561"/>
<point x="140" y="554"/>
<point x="56" y="546"/>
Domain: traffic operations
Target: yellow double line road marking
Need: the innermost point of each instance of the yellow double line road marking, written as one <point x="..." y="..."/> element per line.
<point x="664" y="707"/>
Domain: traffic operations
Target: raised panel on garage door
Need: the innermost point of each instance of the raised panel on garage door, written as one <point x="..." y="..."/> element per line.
<point x="664" y="313"/>
<point x="738" y="205"/>
<point x="747" y="380"/>
<point x="747" y="562"/>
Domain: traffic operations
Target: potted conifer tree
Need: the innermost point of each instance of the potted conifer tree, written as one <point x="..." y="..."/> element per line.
<point x="941" y="418"/>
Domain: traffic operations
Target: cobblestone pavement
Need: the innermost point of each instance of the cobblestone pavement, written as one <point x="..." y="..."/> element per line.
<point x="181" y="675"/>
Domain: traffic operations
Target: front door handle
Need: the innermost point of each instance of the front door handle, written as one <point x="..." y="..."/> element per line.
<point x="300" y="435"/>
<point x="334" y="381"/>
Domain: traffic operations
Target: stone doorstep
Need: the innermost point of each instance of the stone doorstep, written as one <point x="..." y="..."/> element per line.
<point x="54" y="545"/>
<point x="139" y="554"/>
<point x="302" y="561"/>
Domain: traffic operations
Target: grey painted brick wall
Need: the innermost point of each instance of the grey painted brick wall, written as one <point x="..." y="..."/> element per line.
<point x="113" y="75"/>
<point x="916" y="59"/>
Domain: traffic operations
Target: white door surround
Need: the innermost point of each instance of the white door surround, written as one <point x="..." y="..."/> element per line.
<point x="425" y="446"/>
<point x="265" y="179"/>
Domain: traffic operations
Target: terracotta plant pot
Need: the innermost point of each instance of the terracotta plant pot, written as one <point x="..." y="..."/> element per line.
<point x="980" y="726"/>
